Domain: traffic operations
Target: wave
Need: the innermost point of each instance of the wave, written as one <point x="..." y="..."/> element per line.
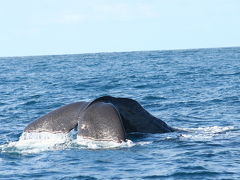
<point x="205" y="133"/>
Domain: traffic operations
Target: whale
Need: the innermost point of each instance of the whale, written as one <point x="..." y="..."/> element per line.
<point x="106" y="118"/>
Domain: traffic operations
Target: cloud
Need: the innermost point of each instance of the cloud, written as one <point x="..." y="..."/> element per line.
<point x="108" y="11"/>
<point x="123" y="11"/>
<point x="72" y="18"/>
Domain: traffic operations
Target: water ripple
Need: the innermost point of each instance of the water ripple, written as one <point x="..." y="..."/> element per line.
<point x="193" y="90"/>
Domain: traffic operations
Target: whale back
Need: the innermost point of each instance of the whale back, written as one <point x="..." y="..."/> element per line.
<point x="101" y="121"/>
<point x="61" y="120"/>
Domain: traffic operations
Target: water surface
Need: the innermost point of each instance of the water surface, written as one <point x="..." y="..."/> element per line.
<point x="196" y="90"/>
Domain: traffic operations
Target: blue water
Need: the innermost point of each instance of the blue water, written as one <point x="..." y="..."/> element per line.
<point x="195" y="90"/>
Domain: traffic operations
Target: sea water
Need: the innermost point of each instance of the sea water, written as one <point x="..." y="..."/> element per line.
<point x="196" y="90"/>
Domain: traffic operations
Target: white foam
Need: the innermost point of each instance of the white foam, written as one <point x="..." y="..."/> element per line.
<point x="205" y="133"/>
<point x="95" y="144"/>
<point x="33" y="142"/>
<point x="36" y="142"/>
<point x="211" y="129"/>
<point x="45" y="141"/>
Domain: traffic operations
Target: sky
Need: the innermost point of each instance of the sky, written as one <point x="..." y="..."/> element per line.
<point x="51" y="27"/>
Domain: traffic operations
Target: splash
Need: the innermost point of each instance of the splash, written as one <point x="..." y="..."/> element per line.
<point x="31" y="143"/>
<point x="36" y="142"/>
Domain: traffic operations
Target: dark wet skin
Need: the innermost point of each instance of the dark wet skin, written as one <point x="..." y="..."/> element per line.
<point x="105" y="118"/>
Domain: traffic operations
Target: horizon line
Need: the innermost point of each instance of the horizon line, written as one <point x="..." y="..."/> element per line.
<point x="108" y="52"/>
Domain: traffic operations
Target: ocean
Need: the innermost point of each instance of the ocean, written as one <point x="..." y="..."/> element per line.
<point x="196" y="90"/>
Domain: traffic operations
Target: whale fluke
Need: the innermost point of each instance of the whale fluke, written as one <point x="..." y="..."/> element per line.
<point x="106" y="118"/>
<point x="135" y="117"/>
<point x="61" y="120"/>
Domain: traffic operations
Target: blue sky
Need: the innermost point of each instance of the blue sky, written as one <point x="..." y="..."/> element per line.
<point x="47" y="27"/>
